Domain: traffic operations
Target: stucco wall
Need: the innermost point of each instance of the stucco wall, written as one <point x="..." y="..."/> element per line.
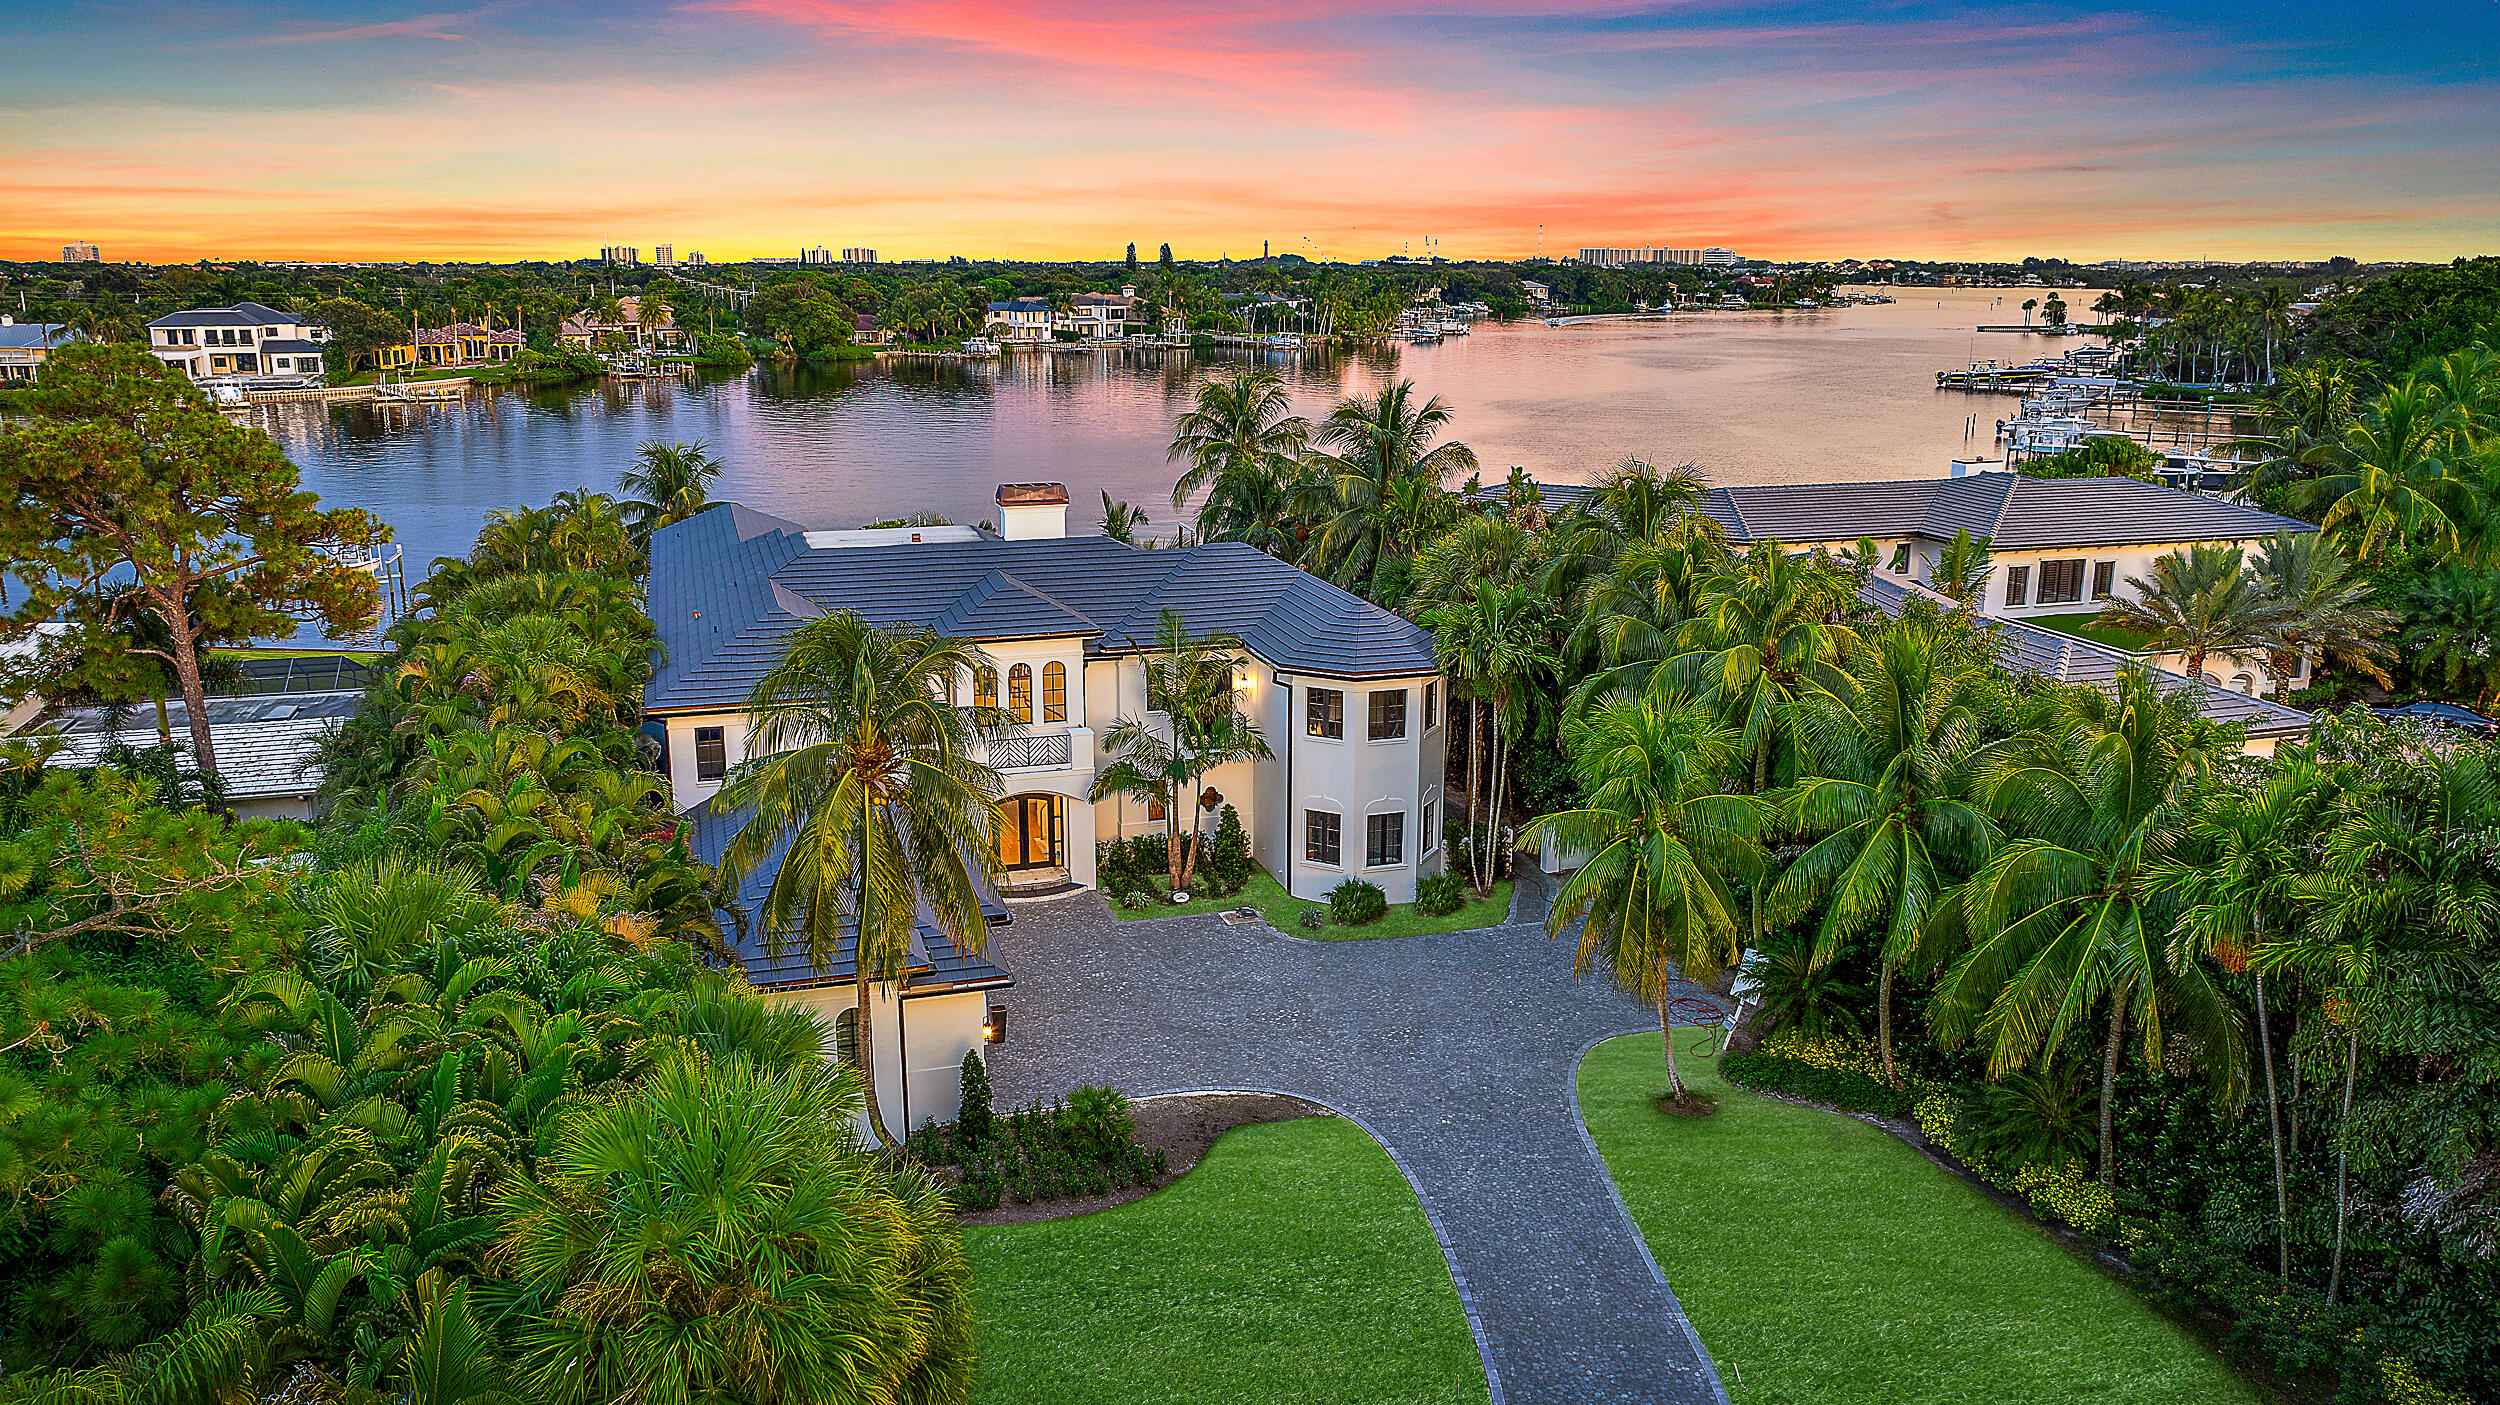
<point x="919" y="1057"/>
<point x="1354" y="777"/>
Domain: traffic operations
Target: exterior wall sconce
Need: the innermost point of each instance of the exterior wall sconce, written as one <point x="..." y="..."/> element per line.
<point x="994" y="1025"/>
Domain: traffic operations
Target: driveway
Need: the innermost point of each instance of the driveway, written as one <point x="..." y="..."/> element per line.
<point x="1459" y="1052"/>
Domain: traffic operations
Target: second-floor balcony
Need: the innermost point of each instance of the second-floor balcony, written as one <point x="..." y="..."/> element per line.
<point x="1042" y="751"/>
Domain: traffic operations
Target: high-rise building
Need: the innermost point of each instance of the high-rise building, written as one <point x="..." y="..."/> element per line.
<point x="1719" y="258"/>
<point x="859" y="256"/>
<point x="664" y="255"/>
<point x="819" y="254"/>
<point x="80" y="251"/>
<point x="696" y="258"/>
<point x="1620" y="258"/>
<point x="621" y="253"/>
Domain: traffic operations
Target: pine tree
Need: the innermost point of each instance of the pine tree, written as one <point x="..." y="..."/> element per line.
<point x="1167" y="256"/>
<point x="972" y="1111"/>
<point x="1132" y="257"/>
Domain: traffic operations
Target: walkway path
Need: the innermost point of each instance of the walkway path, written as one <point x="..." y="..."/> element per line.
<point x="1459" y="1052"/>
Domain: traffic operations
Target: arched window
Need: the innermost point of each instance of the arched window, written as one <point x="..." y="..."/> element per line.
<point x="846" y="1036"/>
<point x="2244" y="683"/>
<point x="985" y="687"/>
<point x="1020" y="692"/>
<point x="1054" y="692"/>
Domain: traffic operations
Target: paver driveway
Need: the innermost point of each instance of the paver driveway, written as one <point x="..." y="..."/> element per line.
<point x="1459" y="1052"/>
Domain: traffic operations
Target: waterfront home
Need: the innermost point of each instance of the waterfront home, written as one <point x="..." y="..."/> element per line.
<point x="248" y="339"/>
<point x="588" y="330"/>
<point x="1348" y="695"/>
<point x="1098" y="316"/>
<point x="463" y="344"/>
<point x="1019" y="320"/>
<point x="24" y="345"/>
<point x="867" y="331"/>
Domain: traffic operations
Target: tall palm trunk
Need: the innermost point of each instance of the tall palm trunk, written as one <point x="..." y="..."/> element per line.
<point x="1493" y="812"/>
<point x="2109" y="1082"/>
<point x="1666" y="1035"/>
<point x="2343" y="1166"/>
<point x="2274" y="1134"/>
<point x="1883" y="1020"/>
<point x="868" y="1061"/>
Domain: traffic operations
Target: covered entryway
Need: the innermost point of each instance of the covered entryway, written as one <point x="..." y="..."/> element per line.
<point x="1033" y="842"/>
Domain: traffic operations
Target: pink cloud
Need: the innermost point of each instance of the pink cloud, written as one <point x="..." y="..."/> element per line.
<point x="417" y="27"/>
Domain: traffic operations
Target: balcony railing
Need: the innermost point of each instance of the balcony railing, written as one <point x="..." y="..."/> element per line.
<point x="1030" y="752"/>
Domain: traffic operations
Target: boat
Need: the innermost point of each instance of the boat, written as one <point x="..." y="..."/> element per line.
<point x="1423" y="336"/>
<point x="1732" y="303"/>
<point x="980" y="348"/>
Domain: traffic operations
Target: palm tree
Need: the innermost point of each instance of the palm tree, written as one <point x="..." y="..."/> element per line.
<point x="2397" y="488"/>
<point x="718" y="1233"/>
<point x="667" y="483"/>
<point x="2272" y="312"/>
<point x="2393" y="889"/>
<point x="2200" y="602"/>
<point x="2325" y="609"/>
<point x="1242" y="426"/>
<point x="1121" y="521"/>
<point x="1377" y="445"/>
<point x="1894" y="797"/>
<point x="1663" y="845"/>
<point x="2452" y="616"/>
<point x="1767" y="635"/>
<point x="2063" y="920"/>
<point x="1190" y="681"/>
<point x="1963" y="567"/>
<point x="1491" y="646"/>
<point x="2242" y="888"/>
<point x="863" y="782"/>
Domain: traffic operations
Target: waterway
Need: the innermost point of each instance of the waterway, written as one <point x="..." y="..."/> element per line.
<point x="1751" y="397"/>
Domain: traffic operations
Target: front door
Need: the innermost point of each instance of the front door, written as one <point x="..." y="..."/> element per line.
<point x="1031" y="833"/>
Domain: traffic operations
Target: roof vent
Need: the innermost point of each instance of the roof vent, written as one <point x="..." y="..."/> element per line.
<point x="1031" y="511"/>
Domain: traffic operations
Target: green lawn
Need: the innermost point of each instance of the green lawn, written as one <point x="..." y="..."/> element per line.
<point x="1284" y="911"/>
<point x="1826" y="1263"/>
<point x="2084" y="626"/>
<point x="1292" y="1264"/>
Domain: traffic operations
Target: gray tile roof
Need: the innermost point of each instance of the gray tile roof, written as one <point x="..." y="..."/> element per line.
<point x="242" y="314"/>
<point x="2040" y="652"/>
<point x="34" y="336"/>
<point x="2013" y="511"/>
<point x="935" y="958"/>
<point x="729" y="585"/>
<point x="265" y="745"/>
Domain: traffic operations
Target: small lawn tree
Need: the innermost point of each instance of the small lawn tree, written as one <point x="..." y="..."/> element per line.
<point x="1190" y="681"/>
<point x="122" y="471"/>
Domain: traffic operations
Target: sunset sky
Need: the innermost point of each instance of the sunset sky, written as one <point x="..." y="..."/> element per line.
<point x="528" y="129"/>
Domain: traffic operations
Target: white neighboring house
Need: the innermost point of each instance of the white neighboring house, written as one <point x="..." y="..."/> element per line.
<point x="1099" y="316"/>
<point x="2065" y="536"/>
<point x="1019" y="320"/>
<point x="245" y="340"/>
<point x="1348" y="696"/>
<point x="25" y="345"/>
<point x="2057" y="546"/>
<point x="266" y="745"/>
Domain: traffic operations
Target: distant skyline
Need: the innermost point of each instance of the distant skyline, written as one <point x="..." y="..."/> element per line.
<point x="924" y="128"/>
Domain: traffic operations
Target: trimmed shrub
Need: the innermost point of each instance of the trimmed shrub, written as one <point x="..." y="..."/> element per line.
<point x="1312" y="919"/>
<point x="1846" y="1089"/>
<point x="972" y="1109"/>
<point x="1224" y="868"/>
<point x="1084" y="1146"/>
<point x="1137" y="899"/>
<point x="1440" y="895"/>
<point x="1355" y="902"/>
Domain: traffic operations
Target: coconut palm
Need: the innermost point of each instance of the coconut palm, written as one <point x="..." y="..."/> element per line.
<point x="2062" y="920"/>
<point x="1364" y="517"/>
<point x="1241" y="426"/>
<point x="864" y="784"/>
<point x="2324" y="606"/>
<point x="667" y="483"/>
<point x="1893" y="799"/>
<point x="2251" y="860"/>
<point x="719" y="1233"/>
<point x="2198" y="602"/>
<point x="1766" y="635"/>
<point x="1120" y="521"/>
<point x="1663" y="845"/>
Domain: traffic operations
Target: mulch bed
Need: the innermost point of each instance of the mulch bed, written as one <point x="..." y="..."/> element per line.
<point x="1183" y="1126"/>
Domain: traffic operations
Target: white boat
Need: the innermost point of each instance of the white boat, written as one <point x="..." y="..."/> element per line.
<point x="981" y="348"/>
<point x="1733" y="303"/>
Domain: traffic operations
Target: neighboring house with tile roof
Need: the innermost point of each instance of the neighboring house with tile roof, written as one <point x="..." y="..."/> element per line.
<point x="588" y="329"/>
<point x="266" y="745"/>
<point x="1349" y="696"/>
<point x="1019" y="319"/>
<point x="248" y="339"/>
<point x="24" y="345"/>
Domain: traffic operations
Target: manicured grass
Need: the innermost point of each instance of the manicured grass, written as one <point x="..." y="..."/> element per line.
<point x="2085" y="626"/>
<point x="1292" y="1264"/>
<point x="1284" y="911"/>
<point x="1826" y="1263"/>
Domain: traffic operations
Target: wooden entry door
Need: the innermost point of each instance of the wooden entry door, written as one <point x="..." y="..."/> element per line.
<point x="1031" y="832"/>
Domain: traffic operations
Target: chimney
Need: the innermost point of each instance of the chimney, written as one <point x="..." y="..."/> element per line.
<point x="1032" y="511"/>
